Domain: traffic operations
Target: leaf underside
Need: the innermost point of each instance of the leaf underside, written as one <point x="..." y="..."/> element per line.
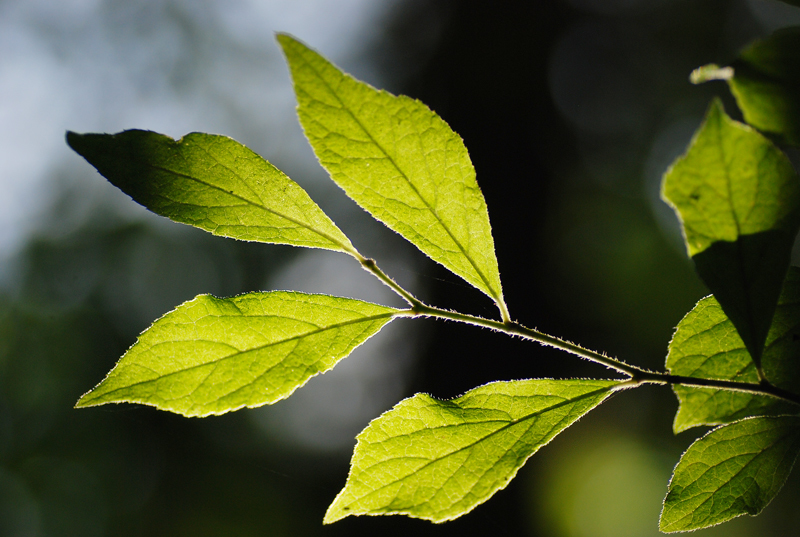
<point x="738" y="199"/>
<point x="706" y="345"/>
<point x="213" y="355"/>
<point x="438" y="460"/>
<point x="212" y="182"/>
<point x="400" y="162"/>
<point x="734" y="470"/>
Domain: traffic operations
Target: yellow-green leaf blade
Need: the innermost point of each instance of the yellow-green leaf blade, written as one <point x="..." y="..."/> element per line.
<point x="734" y="470"/>
<point x="400" y="162"/>
<point x="212" y="182"/>
<point x="706" y="345"/>
<point x="738" y="199"/>
<point x="437" y="460"/>
<point x="213" y="355"/>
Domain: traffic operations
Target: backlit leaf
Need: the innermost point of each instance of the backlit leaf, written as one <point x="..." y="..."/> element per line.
<point x="438" y="460"/>
<point x="399" y="161"/>
<point x="734" y="470"/>
<point x="706" y="345"/>
<point x="738" y="199"/>
<point x="213" y="355"/>
<point x="211" y="182"/>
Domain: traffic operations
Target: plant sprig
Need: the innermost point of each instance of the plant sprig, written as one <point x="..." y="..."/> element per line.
<point x="732" y="361"/>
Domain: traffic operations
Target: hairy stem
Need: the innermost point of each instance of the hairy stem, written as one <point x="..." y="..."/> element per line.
<point x="516" y="329"/>
<point x="370" y="266"/>
<point x="638" y="375"/>
<point x="501" y="305"/>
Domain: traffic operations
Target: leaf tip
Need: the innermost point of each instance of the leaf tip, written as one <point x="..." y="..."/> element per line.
<point x="86" y="400"/>
<point x="715" y="109"/>
<point x="663" y="526"/>
<point x="74" y="140"/>
<point x="667" y="523"/>
<point x="287" y="42"/>
<point x="282" y="38"/>
<point x="335" y="513"/>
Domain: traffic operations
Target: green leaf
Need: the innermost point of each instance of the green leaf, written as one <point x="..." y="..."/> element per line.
<point x="438" y="460"/>
<point x="738" y="199"/>
<point x="766" y="84"/>
<point x="211" y="182"/>
<point x="734" y="470"/>
<point x="213" y="355"/>
<point x="706" y="345"/>
<point x="400" y="162"/>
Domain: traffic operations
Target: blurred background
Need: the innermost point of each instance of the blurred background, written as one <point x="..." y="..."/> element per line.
<point x="571" y="110"/>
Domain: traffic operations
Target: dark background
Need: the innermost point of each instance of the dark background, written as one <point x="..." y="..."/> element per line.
<point x="571" y="111"/>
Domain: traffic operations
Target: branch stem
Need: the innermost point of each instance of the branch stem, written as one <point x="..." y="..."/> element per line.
<point x="515" y="329"/>
<point x="762" y="388"/>
<point x="637" y="375"/>
<point x="370" y="266"/>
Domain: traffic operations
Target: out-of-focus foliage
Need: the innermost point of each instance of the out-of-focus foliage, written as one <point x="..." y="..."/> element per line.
<point x="766" y="84"/>
<point x="103" y="473"/>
